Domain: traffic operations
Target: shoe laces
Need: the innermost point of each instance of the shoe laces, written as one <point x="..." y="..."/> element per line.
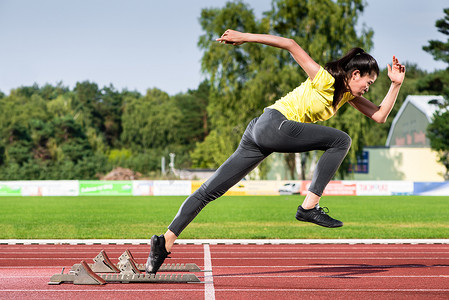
<point x="323" y="210"/>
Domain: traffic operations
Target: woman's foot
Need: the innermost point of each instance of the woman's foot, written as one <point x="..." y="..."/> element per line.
<point x="318" y="216"/>
<point x="158" y="253"/>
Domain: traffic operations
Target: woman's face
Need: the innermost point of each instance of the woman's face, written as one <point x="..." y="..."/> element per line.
<point x="359" y="85"/>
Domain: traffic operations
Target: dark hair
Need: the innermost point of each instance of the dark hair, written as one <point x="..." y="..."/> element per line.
<point x="355" y="59"/>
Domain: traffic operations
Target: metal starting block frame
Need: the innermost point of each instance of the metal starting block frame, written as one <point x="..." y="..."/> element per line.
<point x="102" y="264"/>
<point x="126" y="271"/>
<point x="83" y="274"/>
<point x="164" y="268"/>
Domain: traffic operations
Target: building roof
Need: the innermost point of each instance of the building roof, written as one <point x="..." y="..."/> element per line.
<point x="428" y="104"/>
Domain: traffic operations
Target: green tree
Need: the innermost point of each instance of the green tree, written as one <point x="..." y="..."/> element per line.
<point x="247" y="78"/>
<point x="87" y="95"/>
<point x="108" y="111"/>
<point x="50" y="92"/>
<point x="438" y="133"/>
<point x="437" y="83"/>
<point x="228" y="68"/>
<point x="158" y="124"/>
<point x="439" y="49"/>
<point x="193" y="106"/>
<point x="151" y="121"/>
<point x="41" y="133"/>
<point x="40" y="136"/>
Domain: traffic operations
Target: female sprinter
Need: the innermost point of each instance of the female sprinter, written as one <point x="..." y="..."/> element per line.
<point x="288" y="126"/>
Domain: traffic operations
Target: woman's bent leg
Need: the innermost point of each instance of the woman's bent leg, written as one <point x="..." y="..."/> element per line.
<point x="247" y="156"/>
<point x="231" y="172"/>
<point x="290" y="137"/>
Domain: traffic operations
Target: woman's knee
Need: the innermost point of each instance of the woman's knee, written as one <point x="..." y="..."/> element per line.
<point x="343" y="141"/>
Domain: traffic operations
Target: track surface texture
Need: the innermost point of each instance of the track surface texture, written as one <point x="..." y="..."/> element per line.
<point x="241" y="271"/>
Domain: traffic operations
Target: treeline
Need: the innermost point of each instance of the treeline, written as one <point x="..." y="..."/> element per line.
<point x="53" y="132"/>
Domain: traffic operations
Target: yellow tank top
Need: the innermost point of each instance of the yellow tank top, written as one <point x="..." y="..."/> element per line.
<point x="312" y="100"/>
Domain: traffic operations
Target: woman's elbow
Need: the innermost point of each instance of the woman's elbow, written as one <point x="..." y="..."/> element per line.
<point x="379" y="116"/>
<point x="379" y="120"/>
<point x="290" y="45"/>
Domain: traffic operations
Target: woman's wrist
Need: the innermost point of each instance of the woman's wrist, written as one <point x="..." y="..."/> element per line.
<point x="396" y="84"/>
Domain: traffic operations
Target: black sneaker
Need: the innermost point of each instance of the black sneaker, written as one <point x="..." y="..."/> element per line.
<point x="317" y="215"/>
<point x="158" y="254"/>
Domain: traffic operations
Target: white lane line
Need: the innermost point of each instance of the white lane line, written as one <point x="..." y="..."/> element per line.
<point x="325" y="258"/>
<point x="233" y="252"/>
<point x="227" y="290"/>
<point x="268" y="267"/>
<point x="209" y="289"/>
<point x="333" y="290"/>
<point x="101" y="290"/>
<point x="224" y="241"/>
<point x="330" y="276"/>
<point x="250" y="258"/>
<point x="280" y="276"/>
<point x="333" y="266"/>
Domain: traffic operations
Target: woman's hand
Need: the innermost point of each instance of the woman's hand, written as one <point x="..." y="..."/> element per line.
<point x="396" y="72"/>
<point x="232" y="37"/>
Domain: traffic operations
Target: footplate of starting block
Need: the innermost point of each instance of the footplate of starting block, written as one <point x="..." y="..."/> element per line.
<point x="127" y="265"/>
<point x="123" y="259"/>
<point x="145" y="278"/>
<point x="164" y="268"/>
<point x="175" y="268"/>
<point x="83" y="274"/>
<point x="102" y="264"/>
<point x="80" y="274"/>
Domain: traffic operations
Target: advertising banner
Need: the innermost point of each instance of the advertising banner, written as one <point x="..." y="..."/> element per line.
<point x="262" y="187"/>
<point x="39" y="188"/>
<point x="143" y="188"/>
<point x="51" y="188"/>
<point x="186" y="187"/>
<point x="384" y="188"/>
<point x="401" y="187"/>
<point x="373" y="188"/>
<point x="431" y="188"/>
<point x="258" y="187"/>
<point x="105" y="188"/>
<point x="10" y="188"/>
<point x="172" y="187"/>
<point x="334" y="188"/>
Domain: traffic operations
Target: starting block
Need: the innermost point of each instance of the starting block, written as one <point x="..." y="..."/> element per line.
<point x="126" y="271"/>
<point x="164" y="268"/>
<point x="102" y="264"/>
<point x="83" y="274"/>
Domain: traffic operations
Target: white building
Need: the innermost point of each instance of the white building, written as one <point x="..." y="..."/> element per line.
<point x="407" y="154"/>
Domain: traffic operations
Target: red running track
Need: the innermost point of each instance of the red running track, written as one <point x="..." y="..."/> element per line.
<point x="328" y="271"/>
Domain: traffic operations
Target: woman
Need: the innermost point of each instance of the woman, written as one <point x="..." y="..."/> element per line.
<point x="288" y="126"/>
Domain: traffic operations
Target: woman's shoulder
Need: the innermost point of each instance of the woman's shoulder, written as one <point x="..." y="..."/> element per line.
<point x="323" y="79"/>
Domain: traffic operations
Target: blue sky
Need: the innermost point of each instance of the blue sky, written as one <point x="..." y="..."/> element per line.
<point x="137" y="44"/>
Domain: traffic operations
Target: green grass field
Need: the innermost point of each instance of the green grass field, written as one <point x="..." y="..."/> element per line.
<point x="234" y="217"/>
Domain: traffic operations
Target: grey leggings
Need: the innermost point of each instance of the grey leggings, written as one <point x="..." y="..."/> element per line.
<point x="271" y="132"/>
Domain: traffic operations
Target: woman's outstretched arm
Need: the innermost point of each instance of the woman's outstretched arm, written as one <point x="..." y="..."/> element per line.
<point x="379" y="114"/>
<point x="301" y="57"/>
